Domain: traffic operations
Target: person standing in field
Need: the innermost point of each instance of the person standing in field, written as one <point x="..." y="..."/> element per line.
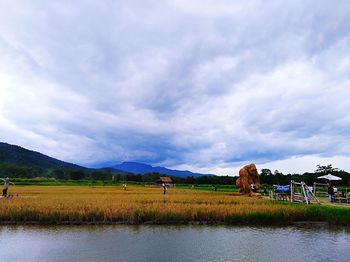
<point x="335" y="191"/>
<point x="164" y="188"/>
<point x="7" y="183"/>
<point x="331" y="193"/>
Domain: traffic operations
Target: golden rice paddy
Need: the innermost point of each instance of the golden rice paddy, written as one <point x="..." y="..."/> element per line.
<point x="138" y="204"/>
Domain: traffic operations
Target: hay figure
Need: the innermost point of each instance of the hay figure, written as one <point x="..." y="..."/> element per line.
<point x="248" y="176"/>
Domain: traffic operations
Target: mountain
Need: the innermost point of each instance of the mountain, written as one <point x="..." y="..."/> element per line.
<point x="23" y="157"/>
<point x="140" y="168"/>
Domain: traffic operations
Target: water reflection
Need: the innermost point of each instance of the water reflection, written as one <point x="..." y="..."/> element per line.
<point x="174" y="243"/>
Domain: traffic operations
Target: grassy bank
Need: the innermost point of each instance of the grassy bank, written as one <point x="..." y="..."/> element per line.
<point x="137" y="205"/>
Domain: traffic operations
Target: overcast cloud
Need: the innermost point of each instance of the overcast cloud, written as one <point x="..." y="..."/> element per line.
<point x="202" y="85"/>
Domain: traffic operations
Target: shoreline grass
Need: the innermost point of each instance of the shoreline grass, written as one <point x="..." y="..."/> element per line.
<point x="144" y="205"/>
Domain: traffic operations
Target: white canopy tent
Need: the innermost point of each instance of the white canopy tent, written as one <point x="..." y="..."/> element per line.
<point x="330" y="177"/>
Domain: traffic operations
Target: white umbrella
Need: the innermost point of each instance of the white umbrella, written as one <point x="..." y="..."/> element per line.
<point x="330" y="177"/>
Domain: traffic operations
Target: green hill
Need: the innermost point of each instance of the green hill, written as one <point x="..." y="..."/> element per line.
<point x="16" y="161"/>
<point x="21" y="157"/>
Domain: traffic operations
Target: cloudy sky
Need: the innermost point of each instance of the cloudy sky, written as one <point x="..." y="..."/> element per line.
<point x="190" y="84"/>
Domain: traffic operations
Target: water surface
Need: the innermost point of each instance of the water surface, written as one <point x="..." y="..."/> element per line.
<point x="173" y="243"/>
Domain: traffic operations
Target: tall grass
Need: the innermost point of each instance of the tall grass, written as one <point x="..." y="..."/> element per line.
<point x="108" y="204"/>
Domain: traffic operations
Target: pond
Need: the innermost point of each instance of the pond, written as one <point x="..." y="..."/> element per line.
<point x="173" y="243"/>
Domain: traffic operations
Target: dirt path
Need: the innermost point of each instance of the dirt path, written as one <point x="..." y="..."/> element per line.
<point x="324" y="201"/>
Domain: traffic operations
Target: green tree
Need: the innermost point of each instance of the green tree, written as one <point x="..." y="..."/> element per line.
<point x="265" y="172"/>
<point x="98" y="175"/>
<point x="59" y="174"/>
<point x="77" y="175"/>
<point x="325" y="169"/>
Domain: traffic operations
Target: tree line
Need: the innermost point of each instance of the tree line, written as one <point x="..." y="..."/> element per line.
<point x="278" y="178"/>
<point x="266" y="175"/>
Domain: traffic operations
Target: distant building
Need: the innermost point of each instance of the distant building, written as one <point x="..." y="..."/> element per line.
<point x="165" y="180"/>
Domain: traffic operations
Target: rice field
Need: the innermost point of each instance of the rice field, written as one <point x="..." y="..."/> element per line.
<point x="139" y="204"/>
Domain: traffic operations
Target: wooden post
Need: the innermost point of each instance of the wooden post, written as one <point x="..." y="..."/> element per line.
<point x="314" y="189"/>
<point x="291" y="191"/>
<point x="305" y="196"/>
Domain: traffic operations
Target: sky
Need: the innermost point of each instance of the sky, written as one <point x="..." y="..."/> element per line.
<point x="207" y="86"/>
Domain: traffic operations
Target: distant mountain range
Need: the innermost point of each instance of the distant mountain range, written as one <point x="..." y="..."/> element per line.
<point x="19" y="156"/>
<point x="140" y="168"/>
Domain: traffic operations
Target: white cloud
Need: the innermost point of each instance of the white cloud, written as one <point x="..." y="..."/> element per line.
<point x="185" y="84"/>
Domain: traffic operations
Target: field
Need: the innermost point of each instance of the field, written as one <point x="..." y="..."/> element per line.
<point x="140" y="204"/>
